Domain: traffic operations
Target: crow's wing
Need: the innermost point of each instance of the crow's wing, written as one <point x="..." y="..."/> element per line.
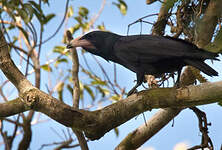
<point x="151" y="49"/>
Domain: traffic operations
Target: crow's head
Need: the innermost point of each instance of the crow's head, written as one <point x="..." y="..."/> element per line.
<point x="96" y="42"/>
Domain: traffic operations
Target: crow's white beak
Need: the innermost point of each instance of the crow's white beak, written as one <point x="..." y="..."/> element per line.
<point x="77" y="42"/>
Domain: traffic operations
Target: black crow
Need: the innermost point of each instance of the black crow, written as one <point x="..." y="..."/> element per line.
<point x="146" y="54"/>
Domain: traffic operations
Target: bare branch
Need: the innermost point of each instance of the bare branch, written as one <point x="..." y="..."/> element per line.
<point x="203" y="127"/>
<point x="27" y="136"/>
<point x="10" y="70"/>
<point x="93" y="20"/>
<point x="96" y="123"/>
<point x="60" y="25"/>
<point x="12" y="107"/>
<point x="76" y="91"/>
<point x="1" y="91"/>
<point x="138" y="137"/>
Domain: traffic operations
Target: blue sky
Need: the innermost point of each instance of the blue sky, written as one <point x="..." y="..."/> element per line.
<point x="185" y="127"/>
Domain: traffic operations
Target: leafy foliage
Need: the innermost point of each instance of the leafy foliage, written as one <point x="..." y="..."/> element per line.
<point x="46" y="67"/>
<point x="25" y="18"/>
<point x="122" y="6"/>
<point x="216" y="45"/>
<point x="170" y="3"/>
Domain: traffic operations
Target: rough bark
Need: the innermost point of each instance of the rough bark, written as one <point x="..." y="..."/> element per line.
<point x="12" y="107"/>
<point x="208" y="23"/>
<point x="96" y="123"/>
<point x="76" y="91"/>
<point x="9" y="68"/>
<point x="159" y="26"/>
<point x="139" y="136"/>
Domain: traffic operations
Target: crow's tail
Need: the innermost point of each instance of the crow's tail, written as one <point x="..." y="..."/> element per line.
<point x="202" y="67"/>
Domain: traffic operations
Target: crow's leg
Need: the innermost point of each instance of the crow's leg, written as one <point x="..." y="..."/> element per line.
<point x="177" y="84"/>
<point x="140" y="77"/>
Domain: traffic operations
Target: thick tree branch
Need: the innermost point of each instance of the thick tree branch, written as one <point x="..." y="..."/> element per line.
<point x="139" y="136"/>
<point x="27" y="136"/>
<point x="21" y="83"/>
<point x="159" y="26"/>
<point x="160" y="119"/>
<point x="208" y="23"/>
<point x="9" y="68"/>
<point x="12" y="107"/>
<point x="96" y="123"/>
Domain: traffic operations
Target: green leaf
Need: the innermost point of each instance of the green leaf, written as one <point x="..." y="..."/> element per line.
<point x="75" y="28"/>
<point x="78" y="19"/>
<point x="101" y="27"/>
<point x="103" y="91"/>
<point x="46" y="67"/>
<point x="36" y="6"/>
<point x="115" y="97"/>
<point x="29" y="9"/>
<point x="83" y="12"/>
<point x="63" y="60"/>
<point x="122" y="6"/>
<point x="59" y="49"/>
<point x="89" y="91"/>
<point x="70" y="89"/>
<point x="216" y="45"/>
<point x="98" y="82"/>
<point x="38" y="16"/>
<point x="116" y="130"/>
<point x="170" y="3"/>
<point x="38" y="12"/>
<point x="60" y="89"/>
<point x="70" y="12"/>
<point x="48" y="18"/>
<point x="218" y="40"/>
<point x="24" y="15"/>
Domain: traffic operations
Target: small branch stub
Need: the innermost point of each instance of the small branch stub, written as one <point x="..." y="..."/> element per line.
<point x="29" y="98"/>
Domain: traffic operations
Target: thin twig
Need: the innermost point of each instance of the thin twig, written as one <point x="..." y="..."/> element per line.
<point x="1" y="91"/>
<point x="140" y="20"/>
<point x="93" y="20"/>
<point x="206" y="140"/>
<point x="106" y="76"/>
<point x="60" y="25"/>
<point x="76" y="91"/>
